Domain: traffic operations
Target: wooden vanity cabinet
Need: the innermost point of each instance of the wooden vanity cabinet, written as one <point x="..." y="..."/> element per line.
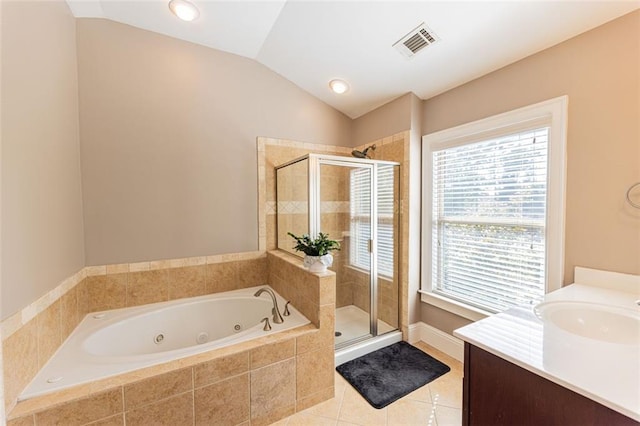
<point x="497" y="392"/>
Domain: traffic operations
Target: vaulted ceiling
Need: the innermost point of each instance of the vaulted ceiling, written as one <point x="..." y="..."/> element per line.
<point x="312" y="42"/>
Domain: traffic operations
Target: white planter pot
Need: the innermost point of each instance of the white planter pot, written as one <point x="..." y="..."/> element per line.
<point x="318" y="263"/>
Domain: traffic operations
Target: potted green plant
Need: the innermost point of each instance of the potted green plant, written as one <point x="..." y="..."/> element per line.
<point x="317" y="251"/>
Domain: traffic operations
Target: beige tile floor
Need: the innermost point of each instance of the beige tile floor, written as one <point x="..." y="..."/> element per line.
<point x="438" y="403"/>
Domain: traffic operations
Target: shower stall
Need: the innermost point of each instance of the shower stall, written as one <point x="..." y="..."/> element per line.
<point x="356" y="202"/>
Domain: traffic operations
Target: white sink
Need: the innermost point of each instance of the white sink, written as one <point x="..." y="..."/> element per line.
<point x="605" y="323"/>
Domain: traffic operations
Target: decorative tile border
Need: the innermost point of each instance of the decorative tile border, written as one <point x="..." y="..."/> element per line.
<point x="302" y="207"/>
<point x="292" y="207"/>
<point x="335" y="207"/>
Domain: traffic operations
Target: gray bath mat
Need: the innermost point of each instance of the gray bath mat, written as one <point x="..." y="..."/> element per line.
<point x="388" y="374"/>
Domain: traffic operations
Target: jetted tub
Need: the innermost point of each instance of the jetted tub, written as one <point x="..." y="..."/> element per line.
<point x="121" y="340"/>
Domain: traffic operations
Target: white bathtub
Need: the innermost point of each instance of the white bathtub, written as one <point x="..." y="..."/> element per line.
<point x="113" y="342"/>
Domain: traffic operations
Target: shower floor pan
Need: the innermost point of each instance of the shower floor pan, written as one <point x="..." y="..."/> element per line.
<point x="353" y="323"/>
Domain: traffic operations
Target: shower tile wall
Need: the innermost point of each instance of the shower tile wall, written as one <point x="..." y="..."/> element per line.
<point x="352" y="287"/>
<point x="334" y="198"/>
<point x="334" y="220"/>
<point x="272" y="153"/>
<point x="293" y="209"/>
<point x="345" y="279"/>
<point x="293" y="203"/>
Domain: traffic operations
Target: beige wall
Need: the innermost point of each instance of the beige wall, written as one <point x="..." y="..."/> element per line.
<point x="389" y="119"/>
<point x="600" y="71"/>
<point x="42" y="225"/>
<point x="168" y="133"/>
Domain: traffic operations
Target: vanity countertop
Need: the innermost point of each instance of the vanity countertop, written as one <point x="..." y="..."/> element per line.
<point x="606" y="372"/>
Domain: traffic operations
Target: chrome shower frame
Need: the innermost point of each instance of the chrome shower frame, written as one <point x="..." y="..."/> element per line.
<point x="315" y="161"/>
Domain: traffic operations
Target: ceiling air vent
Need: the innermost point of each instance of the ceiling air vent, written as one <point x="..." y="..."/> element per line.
<point x="415" y="40"/>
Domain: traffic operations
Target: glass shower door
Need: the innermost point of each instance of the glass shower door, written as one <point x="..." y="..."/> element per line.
<point x="346" y="215"/>
<point x="356" y="202"/>
<point x="388" y="278"/>
<point x="292" y="189"/>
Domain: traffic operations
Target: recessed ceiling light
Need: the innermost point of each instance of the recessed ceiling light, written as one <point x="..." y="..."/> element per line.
<point x="339" y="86"/>
<point x="184" y="10"/>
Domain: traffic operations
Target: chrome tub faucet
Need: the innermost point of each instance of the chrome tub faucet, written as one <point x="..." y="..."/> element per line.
<point x="277" y="318"/>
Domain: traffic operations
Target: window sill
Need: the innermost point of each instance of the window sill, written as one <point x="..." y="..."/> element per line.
<point x="469" y="312"/>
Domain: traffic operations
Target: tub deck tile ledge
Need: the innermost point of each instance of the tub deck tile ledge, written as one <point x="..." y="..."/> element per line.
<point x="76" y="393"/>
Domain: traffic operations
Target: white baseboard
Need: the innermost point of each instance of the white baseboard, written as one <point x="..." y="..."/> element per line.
<point x="440" y="340"/>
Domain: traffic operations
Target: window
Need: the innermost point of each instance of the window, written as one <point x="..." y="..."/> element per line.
<point x="360" y="218"/>
<point x="360" y="224"/>
<point x="493" y="219"/>
<point x="386" y="248"/>
<point x="489" y="205"/>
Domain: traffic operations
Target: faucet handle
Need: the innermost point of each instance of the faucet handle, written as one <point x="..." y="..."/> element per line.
<point x="286" y="312"/>
<point x="267" y="325"/>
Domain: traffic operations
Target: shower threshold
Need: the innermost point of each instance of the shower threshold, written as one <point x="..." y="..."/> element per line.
<point x="353" y="325"/>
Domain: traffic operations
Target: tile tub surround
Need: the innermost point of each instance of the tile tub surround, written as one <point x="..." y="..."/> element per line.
<point x="31" y="336"/>
<point x="123" y="340"/>
<point x="228" y="386"/>
<point x="312" y="384"/>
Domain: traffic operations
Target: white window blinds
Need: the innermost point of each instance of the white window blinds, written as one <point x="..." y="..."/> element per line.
<point x="360" y="223"/>
<point x="386" y="248"/>
<point x="360" y="191"/>
<point x="488" y="228"/>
